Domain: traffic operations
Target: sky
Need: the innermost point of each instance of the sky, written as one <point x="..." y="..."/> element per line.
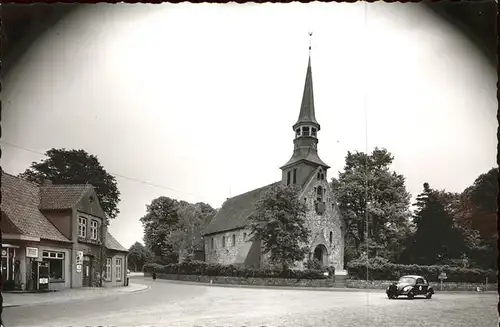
<point x="200" y="99"/>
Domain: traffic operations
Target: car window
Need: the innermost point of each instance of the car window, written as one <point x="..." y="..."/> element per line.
<point x="407" y="280"/>
<point x="420" y="281"/>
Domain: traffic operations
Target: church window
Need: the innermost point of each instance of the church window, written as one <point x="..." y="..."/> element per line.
<point x="305" y="131"/>
<point x="223" y="241"/>
<point x="331" y="238"/>
<point x="313" y="132"/>
<point x="318" y="176"/>
<point x="295" y="176"/>
<point x="320" y="194"/>
<point x="234" y="240"/>
<point x="288" y="178"/>
<point x="297" y="132"/>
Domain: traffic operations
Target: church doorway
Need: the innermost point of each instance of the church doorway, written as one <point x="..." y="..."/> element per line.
<point x="321" y="254"/>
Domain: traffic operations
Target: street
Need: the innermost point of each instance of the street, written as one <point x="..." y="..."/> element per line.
<point x="173" y="304"/>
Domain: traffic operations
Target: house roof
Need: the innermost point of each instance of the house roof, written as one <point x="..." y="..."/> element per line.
<point x="112" y="244"/>
<point x="20" y="204"/>
<point x="236" y="210"/>
<point x="62" y="196"/>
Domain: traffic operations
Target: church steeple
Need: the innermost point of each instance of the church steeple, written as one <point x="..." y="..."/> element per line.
<point x="305" y="159"/>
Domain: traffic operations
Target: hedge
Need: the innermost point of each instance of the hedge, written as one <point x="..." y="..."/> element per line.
<point x="381" y="269"/>
<point x="210" y="269"/>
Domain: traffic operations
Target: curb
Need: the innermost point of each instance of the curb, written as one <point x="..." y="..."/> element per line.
<point x="305" y="288"/>
<point x="143" y="289"/>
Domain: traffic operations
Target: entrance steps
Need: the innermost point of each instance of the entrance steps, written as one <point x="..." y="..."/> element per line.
<point x="340" y="281"/>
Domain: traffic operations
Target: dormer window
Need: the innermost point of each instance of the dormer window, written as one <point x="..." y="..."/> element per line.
<point x="305" y="131"/>
<point x="313" y="132"/>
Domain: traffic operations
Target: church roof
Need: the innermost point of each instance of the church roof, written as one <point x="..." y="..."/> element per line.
<point x="307" y="114"/>
<point x="306" y="154"/>
<point x="236" y="210"/>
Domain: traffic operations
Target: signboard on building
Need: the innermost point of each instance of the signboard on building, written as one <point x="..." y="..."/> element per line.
<point x="31" y="252"/>
<point x="79" y="258"/>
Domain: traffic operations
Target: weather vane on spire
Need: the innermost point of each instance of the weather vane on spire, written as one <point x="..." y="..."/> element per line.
<point x="310" y="37"/>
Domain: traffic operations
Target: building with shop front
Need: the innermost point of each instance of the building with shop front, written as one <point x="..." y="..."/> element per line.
<point x="61" y="225"/>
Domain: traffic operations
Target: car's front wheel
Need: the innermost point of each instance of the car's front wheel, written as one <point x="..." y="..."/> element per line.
<point x="411" y="296"/>
<point x="428" y="295"/>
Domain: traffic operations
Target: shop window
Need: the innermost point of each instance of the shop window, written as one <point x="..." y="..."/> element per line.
<point x="56" y="265"/>
<point x="93" y="229"/>
<point x="119" y="269"/>
<point x="82" y="227"/>
<point x="108" y="270"/>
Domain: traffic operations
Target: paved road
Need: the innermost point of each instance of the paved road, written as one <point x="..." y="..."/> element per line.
<point x="169" y="304"/>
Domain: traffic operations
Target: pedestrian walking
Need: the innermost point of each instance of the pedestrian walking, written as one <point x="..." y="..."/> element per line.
<point x="154" y="275"/>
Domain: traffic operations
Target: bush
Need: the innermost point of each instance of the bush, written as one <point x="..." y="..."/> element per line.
<point x="381" y="269"/>
<point x="211" y="269"/>
<point x="313" y="263"/>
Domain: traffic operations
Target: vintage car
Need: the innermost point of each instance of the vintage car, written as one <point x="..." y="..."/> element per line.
<point x="410" y="286"/>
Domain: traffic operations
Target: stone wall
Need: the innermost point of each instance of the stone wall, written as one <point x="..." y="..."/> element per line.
<point x="447" y="286"/>
<point x="322" y="225"/>
<point x="223" y="280"/>
<point x="225" y="254"/>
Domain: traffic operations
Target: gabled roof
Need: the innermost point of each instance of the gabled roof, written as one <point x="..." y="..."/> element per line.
<point x="62" y="196"/>
<point x="236" y="210"/>
<point x="112" y="244"/>
<point x="20" y="204"/>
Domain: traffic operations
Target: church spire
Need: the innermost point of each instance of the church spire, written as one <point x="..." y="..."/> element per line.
<point x="307" y="114"/>
<point x="305" y="159"/>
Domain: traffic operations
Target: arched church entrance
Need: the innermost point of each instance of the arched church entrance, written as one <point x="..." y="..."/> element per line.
<point x="321" y="254"/>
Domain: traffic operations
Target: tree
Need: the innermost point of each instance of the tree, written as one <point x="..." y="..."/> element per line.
<point x="186" y="235"/>
<point x="159" y="222"/>
<point x="476" y="213"/>
<point x="77" y="167"/>
<point x="138" y="256"/>
<point x="367" y="188"/>
<point x="437" y="239"/>
<point x="279" y="223"/>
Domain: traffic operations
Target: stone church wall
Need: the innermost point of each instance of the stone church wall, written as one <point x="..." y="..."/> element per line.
<point x="225" y="254"/>
<point x="322" y="225"/>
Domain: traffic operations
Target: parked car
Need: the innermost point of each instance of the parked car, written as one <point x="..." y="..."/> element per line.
<point x="410" y="286"/>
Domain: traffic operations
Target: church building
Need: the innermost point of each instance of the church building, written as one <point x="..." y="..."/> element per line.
<point x="227" y="236"/>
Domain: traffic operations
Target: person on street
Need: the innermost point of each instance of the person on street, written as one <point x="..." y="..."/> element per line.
<point x="154" y="275"/>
